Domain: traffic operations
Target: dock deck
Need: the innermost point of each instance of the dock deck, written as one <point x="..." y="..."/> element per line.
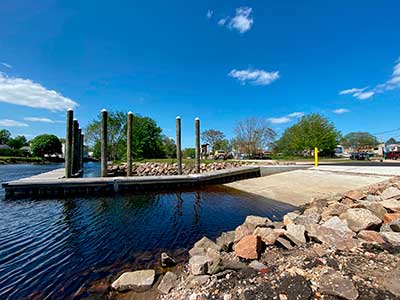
<point x="52" y="184"/>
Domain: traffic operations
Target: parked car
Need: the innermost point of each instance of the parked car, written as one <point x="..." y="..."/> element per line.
<point x="360" y="156"/>
<point x="393" y="155"/>
<point x="220" y="154"/>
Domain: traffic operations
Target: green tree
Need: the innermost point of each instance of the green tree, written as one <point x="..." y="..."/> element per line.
<point x="45" y="144"/>
<point x="4" y="136"/>
<point x="168" y="146"/>
<point x="146" y="137"/>
<point x="212" y="137"/>
<point x="359" y="140"/>
<point x="223" y="144"/>
<point x="309" y="132"/>
<point x="17" y="142"/>
<point x="188" y="152"/>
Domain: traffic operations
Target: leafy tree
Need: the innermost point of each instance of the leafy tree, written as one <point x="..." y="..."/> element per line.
<point x="168" y="146"/>
<point x="45" y="144"/>
<point x="17" y="142"/>
<point x="223" y="145"/>
<point x="359" y="140"/>
<point x="310" y="131"/>
<point x="188" y="152"/>
<point x="252" y="134"/>
<point x="212" y="137"/>
<point x="4" y="136"/>
<point x="146" y="137"/>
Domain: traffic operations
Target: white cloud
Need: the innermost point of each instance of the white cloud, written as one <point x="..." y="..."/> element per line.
<point x="256" y="77"/>
<point x="286" y="119"/>
<point x="42" y="120"/>
<point x="296" y="114"/>
<point x="209" y="14"/>
<point x="242" y="21"/>
<point x="25" y="92"/>
<point x="12" y="123"/>
<point x="280" y="120"/>
<point x="365" y="93"/>
<point x="6" y="65"/>
<point x="340" y="111"/>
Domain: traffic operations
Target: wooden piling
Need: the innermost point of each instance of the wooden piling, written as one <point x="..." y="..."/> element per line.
<point x="129" y="144"/>
<point x="68" y="144"/>
<point x="197" y="144"/>
<point x="178" y="144"/>
<point x="75" y="147"/>
<point x="104" y="137"/>
<point x="81" y="153"/>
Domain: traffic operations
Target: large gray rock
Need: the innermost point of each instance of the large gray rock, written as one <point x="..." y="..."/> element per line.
<point x="391" y="282"/>
<point x="333" y="283"/>
<point x="393" y="226"/>
<point x="335" y="209"/>
<point x="337" y="224"/>
<point x="390" y="192"/>
<point x="168" y="282"/>
<point x="255" y="264"/>
<point x="257" y="221"/>
<point x="269" y="235"/>
<point x="199" y="264"/>
<point x="334" y="238"/>
<point x="392" y="238"/>
<point x="373" y="198"/>
<point x="295" y="233"/>
<point x="138" y="281"/>
<point x="360" y="219"/>
<point x="312" y="218"/>
<point x="391" y="204"/>
<point x="201" y="246"/>
<point x="289" y="217"/>
<point x="375" y="207"/>
<point x="226" y="240"/>
<point x="244" y="230"/>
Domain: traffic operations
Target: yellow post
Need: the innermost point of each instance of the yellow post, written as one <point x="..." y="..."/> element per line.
<point x="316" y="156"/>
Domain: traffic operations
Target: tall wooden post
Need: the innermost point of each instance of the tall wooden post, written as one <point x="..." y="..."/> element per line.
<point x="197" y="146"/>
<point x="178" y="144"/>
<point x="78" y="162"/>
<point x="82" y="151"/>
<point x="104" y="137"/>
<point x="68" y="144"/>
<point x="75" y="147"/>
<point x="129" y="144"/>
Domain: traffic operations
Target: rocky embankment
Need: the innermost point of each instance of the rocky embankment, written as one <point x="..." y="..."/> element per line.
<point x="342" y="247"/>
<point x="160" y="169"/>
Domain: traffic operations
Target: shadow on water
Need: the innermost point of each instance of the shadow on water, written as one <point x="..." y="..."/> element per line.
<point x="57" y="249"/>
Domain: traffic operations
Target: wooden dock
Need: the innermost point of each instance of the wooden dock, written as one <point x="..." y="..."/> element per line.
<point x="52" y="184"/>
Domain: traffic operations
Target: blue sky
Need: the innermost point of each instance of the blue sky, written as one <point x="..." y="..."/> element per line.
<point x="220" y="60"/>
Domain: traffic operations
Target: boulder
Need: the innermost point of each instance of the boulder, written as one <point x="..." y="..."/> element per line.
<point x="268" y="235"/>
<point x="335" y="209"/>
<point x="226" y="240"/>
<point x="393" y="226"/>
<point x="168" y="282"/>
<point x="334" y="238"/>
<point x="243" y="230"/>
<point x="334" y="283"/>
<point x="337" y="224"/>
<point x="195" y="281"/>
<point x="255" y="264"/>
<point x="201" y="246"/>
<point x="248" y="247"/>
<point x="360" y="218"/>
<point x="355" y="195"/>
<point x="373" y="198"/>
<point x="392" y="238"/>
<point x="167" y="261"/>
<point x="312" y="218"/>
<point x="391" y="204"/>
<point x="295" y="233"/>
<point x="138" y="281"/>
<point x="387" y="218"/>
<point x="391" y="282"/>
<point x="376" y="208"/>
<point x="371" y="236"/>
<point x="390" y="192"/>
<point x="289" y="217"/>
<point x="284" y="243"/>
<point x="198" y="264"/>
<point x="257" y="221"/>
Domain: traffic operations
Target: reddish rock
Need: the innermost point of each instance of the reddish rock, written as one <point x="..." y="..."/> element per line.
<point x="355" y="195"/>
<point x="371" y="236"/>
<point x="387" y="218"/>
<point x="248" y="247"/>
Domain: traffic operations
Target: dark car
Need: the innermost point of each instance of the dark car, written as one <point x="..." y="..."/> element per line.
<point x="360" y="156"/>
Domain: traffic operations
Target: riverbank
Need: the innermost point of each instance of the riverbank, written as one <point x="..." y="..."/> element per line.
<point x="8" y="160"/>
<point x="345" y="246"/>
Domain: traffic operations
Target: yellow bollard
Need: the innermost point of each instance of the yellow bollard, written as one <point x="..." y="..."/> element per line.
<point x="316" y="156"/>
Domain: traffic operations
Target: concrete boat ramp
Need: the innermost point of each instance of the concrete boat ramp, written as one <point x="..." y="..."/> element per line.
<point x="52" y="184"/>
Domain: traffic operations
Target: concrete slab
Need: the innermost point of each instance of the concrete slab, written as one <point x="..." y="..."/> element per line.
<point x="372" y="170"/>
<point x="301" y="186"/>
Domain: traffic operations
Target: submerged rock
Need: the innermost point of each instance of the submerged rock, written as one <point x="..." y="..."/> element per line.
<point x="138" y="281"/>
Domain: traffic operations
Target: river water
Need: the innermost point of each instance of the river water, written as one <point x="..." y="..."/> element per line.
<point x="63" y="248"/>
